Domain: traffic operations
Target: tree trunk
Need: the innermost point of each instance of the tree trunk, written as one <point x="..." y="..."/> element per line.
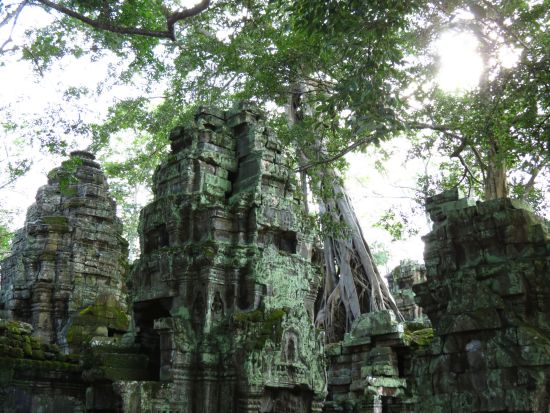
<point x="495" y="178"/>
<point x="295" y="115"/>
<point x="352" y="279"/>
<point x="353" y="284"/>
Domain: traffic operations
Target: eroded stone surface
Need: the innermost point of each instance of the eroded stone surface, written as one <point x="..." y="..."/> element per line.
<point x="34" y="376"/>
<point x="69" y="256"/>
<point x="223" y="298"/>
<point x="401" y="281"/>
<point x="369" y="371"/>
<point x="487" y="295"/>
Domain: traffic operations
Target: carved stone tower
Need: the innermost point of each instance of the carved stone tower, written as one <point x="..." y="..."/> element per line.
<point x="69" y="257"/>
<point x="224" y="289"/>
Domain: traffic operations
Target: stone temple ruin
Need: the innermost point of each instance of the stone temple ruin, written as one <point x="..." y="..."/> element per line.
<point x="224" y="289"/>
<point x="217" y="313"/>
<point x="221" y="299"/>
<point x="69" y="255"/>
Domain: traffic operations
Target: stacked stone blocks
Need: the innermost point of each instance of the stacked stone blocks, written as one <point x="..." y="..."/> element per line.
<point x="69" y="255"/>
<point x="487" y="295"/>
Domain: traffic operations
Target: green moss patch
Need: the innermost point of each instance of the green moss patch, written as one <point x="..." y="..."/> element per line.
<point x="418" y="334"/>
<point x="22" y="355"/>
<point x="259" y="325"/>
<point x="57" y="222"/>
<point x="105" y="312"/>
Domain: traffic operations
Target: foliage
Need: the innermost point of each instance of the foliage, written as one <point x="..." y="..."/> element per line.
<point x="355" y="59"/>
<point x="497" y="133"/>
<point x="380" y="253"/>
<point x="391" y="224"/>
<point x="5" y="240"/>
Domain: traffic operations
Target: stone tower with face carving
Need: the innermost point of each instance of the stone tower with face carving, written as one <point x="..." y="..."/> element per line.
<point x="224" y="290"/>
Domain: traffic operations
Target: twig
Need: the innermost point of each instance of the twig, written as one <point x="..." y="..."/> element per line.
<point x="15" y="16"/>
<point x="467" y="169"/>
<point x="35" y="61"/>
<point x="339" y="154"/>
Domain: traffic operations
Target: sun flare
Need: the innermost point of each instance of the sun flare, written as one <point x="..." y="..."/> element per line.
<point x="460" y="63"/>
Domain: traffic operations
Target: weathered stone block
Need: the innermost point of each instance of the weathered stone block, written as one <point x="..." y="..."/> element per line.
<point x="378" y="323"/>
<point x="73" y="237"/>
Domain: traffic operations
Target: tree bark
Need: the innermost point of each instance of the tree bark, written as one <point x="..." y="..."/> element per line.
<point x="353" y="284"/>
<point x="172" y="17"/>
<point x="495" y="179"/>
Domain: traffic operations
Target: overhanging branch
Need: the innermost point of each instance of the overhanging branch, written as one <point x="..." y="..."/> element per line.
<point x="15" y="16"/>
<point x="328" y="159"/>
<point x="171" y="19"/>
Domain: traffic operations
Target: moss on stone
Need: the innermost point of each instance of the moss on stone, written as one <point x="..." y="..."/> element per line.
<point x="106" y="312"/>
<point x="260" y="325"/>
<point x="248" y="316"/>
<point x="418" y="334"/>
<point x="27" y="348"/>
<point x="22" y="354"/>
<point x="57" y="222"/>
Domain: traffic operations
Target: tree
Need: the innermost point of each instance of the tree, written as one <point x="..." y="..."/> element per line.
<point x="278" y="56"/>
<point x="499" y="131"/>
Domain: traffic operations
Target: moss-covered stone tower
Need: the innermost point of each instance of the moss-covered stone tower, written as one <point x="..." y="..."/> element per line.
<point x="69" y="258"/>
<point x="224" y="289"/>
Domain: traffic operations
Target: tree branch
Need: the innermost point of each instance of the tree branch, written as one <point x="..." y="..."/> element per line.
<point x="360" y="142"/>
<point x="373" y="138"/>
<point x="445" y="130"/>
<point x="34" y="60"/>
<point x="528" y="187"/>
<point x="171" y="19"/>
<point x="466" y="168"/>
<point x="15" y="15"/>
<point x="438" y="128"/>
<point x="500" y="23"/>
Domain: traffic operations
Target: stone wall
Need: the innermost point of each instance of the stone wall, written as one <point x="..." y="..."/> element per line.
<point x="366" y="371"/>
<point x="487" y="295"/>
<point x="486" y="290"/>
<point x="36" y="377"/>
<point x="222" y="297"/>
<point x="370" y="370"/>
<point x="401" y="281"/>
<point x="69" y="257"/>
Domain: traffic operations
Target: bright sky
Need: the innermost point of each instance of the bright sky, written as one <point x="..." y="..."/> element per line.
<point x="374" y="191"/>
<point x="26" y="94"/>
<point x="460" y="63"/>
